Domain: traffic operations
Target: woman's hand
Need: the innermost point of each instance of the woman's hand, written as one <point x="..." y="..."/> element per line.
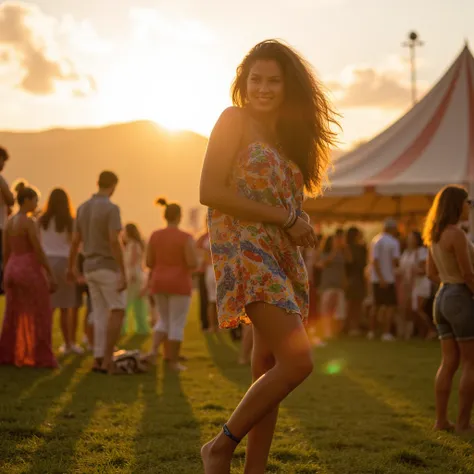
<point x="302" y="233"/>
<point x="305" y="217"/>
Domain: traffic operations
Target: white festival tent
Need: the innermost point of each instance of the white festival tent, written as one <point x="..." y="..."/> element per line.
<point x="399" y="171"/>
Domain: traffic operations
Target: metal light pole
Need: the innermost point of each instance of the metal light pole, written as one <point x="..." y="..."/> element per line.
<point x="412" y="43"/>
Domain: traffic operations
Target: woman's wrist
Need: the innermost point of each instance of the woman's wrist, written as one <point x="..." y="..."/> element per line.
<point x="290" y="220"/>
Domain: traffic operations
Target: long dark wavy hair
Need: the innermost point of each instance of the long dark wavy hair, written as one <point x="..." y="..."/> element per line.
<point x="132" y="233"/>
<point x="446" y="210"/>
<point x="307" y="119"/>
<point x="58" y="207"/>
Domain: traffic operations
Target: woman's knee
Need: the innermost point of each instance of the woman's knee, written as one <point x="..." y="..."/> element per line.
<point x="262" y="362"/>
<point x="299" y="367"/>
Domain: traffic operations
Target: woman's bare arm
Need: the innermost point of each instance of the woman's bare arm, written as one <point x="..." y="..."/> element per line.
<point x="32" y="232"/>
<point x="224" y="145"/>
<point x="190" y="254"/>
<point x="150" y="255"/>
<point x="6" y="244"/>
<point x="461" y="251"/>
<point x="432" y="269"/>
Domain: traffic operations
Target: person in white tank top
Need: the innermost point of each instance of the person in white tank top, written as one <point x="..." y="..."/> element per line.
<point x="55" y="228"/>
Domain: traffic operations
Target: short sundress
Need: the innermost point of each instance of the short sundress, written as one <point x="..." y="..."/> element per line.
<point x="255" y="262"/>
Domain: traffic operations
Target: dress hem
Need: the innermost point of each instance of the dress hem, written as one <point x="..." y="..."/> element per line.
<point x="242" y="317"/>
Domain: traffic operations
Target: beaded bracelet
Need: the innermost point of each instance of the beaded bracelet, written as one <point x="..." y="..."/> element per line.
<point x="293" y="223"/>
<point x="292" y="218"/>
<point x="289" y="219"/>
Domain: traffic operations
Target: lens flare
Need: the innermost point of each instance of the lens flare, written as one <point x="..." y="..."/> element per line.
<point x="334" y="367"/>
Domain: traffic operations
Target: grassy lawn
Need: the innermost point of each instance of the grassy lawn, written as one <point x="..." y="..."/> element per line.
<point x="367" y="408"/>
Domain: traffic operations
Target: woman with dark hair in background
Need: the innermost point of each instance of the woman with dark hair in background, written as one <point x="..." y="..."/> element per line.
<point x="27" y="323"/>
<point x="134" y="249"/>
<point x="356" y="261"/>
<point x="56" y="224"/>
<point x="261" y="155"/>
<point x="333" y="281"/>
<point x="171" y="257"/>
<point x="450" y="263"/>
<point x="416" y="287"/>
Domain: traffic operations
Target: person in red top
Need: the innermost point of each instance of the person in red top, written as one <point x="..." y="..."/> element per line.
<point x="171" y="257"/>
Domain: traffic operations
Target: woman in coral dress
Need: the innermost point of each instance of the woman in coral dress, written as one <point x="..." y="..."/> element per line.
<point x="262" y="154"/>
<point x="28" y="280"/>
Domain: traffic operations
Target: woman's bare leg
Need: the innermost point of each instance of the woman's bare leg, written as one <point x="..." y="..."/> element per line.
<point x="211" y="317"/>
<point x="466" y="386"/>
<point x="65" y="331"/>
<point x="261" y="435"/>
<point x="286" y="338"/>
<point x="443" y="382"/>
<point x="73" y="325"/>
<point x="246" y="345"/>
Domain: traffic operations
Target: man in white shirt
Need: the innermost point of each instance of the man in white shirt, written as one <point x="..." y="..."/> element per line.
<point x="385" y="255"/>
<point x="6" y="202"/>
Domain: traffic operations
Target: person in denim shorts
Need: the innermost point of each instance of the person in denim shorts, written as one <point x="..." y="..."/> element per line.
<point x="450" y="264"/>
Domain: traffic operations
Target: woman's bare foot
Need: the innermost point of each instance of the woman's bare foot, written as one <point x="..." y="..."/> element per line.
<point x="462" y="430"/>
<point x="446" y="426"/>
<point x="149" y="359"/>
<point x="215" y="460"/>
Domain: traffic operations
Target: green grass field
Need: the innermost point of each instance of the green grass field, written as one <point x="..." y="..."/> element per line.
<point x="367" y="408"/>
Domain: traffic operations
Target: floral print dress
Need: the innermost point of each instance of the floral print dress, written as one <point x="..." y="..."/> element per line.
<point x="255" y="262"/>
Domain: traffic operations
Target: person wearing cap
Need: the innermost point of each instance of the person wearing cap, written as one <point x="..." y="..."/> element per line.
<point x="385" y="255"/>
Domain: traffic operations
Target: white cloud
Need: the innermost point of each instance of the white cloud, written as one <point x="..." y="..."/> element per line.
<point x="31" y="41"/>
<point x="150" y="21"/>
<point x="385" y="86"/>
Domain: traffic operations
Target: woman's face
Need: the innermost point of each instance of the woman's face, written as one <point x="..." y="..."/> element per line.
<point x="265" y="86"/>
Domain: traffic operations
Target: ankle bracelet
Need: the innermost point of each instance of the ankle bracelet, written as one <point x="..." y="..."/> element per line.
<point x="230" y="435"/>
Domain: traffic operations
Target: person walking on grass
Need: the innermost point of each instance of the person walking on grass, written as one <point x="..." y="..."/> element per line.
<point x="450" y="263"/>
<point x="26" y="338"/>
<point x="134" y="249"/>
<point x="97" y="229"/>
<point x="56" y="226"/>
<point x="385" y="256"/>
<point x="171" y="258"/>
<point x="261" y="155"/>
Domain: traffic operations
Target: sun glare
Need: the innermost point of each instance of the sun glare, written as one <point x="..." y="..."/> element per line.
<point x="159" y="87"/>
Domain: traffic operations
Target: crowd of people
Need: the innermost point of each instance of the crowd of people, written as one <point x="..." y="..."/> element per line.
<point x="57" y="260"/>
<point x="380" y="288"/>
<point x="264" y="152"/>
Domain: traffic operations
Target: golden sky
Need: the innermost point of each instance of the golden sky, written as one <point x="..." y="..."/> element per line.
<point x="92" y="62"/>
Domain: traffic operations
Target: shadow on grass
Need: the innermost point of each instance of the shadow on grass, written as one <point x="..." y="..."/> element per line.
<point x="224" y="354"/>
<point x="76" y="433"/>
<point x="358" y="426"/>
<point x="343" y="426"/>
<point x="168" y="438"/>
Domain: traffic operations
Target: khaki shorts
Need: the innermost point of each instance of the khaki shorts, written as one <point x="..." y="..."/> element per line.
<point x="103" y="285"/>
